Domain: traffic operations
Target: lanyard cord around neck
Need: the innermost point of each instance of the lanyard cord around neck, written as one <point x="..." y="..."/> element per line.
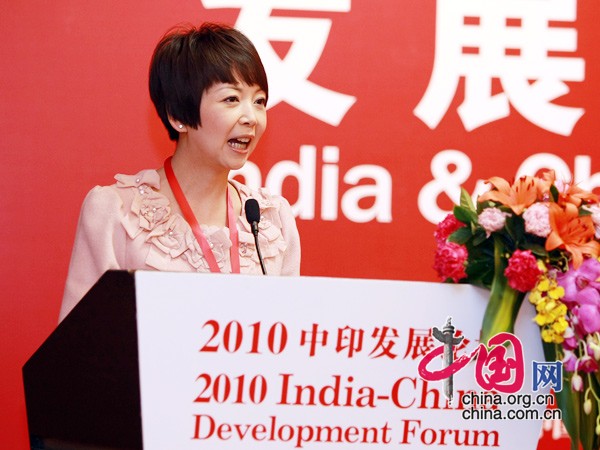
<point x="188" y="214"/>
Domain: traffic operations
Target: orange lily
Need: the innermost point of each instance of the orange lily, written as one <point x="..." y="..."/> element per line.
<point x="572" y="232"/>
<point x="519" y="196"/>
<point x="544" y="184"/>
<point x="570" y="192"/>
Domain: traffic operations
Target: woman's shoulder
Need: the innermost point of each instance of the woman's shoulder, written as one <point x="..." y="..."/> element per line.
<point x="145" y="178"/>
<point x="111" y="198"/>
<point x="133" y="201"/>
<point x="125" y="185"/>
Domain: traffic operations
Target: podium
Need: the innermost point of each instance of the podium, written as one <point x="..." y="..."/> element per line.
<point x="155" y="361"/>
<point x="82" y="385"/>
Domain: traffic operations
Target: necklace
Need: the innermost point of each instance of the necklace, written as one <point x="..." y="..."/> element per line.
<point x="189" y="216"/>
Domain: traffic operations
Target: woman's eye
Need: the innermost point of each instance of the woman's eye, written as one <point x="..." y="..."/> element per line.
<point x="231" y="99"/>
<point x="261" y="101"/>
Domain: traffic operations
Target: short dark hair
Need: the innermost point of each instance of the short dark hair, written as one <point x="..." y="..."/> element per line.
<point x="188" y="60"/>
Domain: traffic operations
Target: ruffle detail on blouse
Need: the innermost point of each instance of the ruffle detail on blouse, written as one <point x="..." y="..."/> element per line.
<point x="172" y="238"/>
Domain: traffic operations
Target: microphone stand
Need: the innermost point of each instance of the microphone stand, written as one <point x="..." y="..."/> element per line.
<point x="253" y="217"/>
<point x="260" y="258"/>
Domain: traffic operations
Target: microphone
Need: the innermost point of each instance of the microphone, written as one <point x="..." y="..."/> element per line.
<point x="253" y="217"/>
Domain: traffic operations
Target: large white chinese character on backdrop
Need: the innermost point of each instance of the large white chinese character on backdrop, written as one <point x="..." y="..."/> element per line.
<point x="288" y="77"/>
<point x="509" y="40"/>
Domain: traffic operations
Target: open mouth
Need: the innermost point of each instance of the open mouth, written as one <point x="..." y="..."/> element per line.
<point x="239" y="143"/>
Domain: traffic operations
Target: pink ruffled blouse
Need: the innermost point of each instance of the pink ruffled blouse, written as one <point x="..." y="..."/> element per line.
<point x="129" y="225"/>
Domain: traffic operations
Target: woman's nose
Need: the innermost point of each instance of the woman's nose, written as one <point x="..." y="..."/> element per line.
<point x="248" y="115"/>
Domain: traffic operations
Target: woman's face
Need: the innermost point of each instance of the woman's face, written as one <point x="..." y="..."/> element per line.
<point x="233" y="118"/>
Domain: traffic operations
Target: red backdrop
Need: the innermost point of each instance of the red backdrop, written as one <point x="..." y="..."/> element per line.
<point x="75" y="111"/>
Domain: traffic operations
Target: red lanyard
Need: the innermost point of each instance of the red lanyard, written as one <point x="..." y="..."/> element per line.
<point x="189" y="216"/>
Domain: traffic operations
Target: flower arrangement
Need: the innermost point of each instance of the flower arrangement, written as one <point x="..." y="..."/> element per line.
<point x="538" y="238"/>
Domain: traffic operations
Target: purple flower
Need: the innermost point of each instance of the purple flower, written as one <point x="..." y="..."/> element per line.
<point x="588" y="317"/>
<point x="569" y="361"/>
<point x="581" y="285"/>
<point x="587" y="364"/>
<point x="570" y="342"/>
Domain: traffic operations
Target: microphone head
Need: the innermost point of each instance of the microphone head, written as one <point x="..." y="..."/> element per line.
<point x="252" y="211"/>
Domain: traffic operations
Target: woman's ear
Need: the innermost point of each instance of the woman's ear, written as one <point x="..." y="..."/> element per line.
<point x="180" y="127"/>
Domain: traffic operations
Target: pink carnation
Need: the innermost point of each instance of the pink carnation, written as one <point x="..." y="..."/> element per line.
<point x="492" y="219"/>
<point x="537" y="219"/>
<point x="522" y="271"/>
<point x="446" y="227"/>
<point x="450" y="261"/>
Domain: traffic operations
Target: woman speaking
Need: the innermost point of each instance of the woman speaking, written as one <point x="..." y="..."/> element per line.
<point x="210" y="89"/>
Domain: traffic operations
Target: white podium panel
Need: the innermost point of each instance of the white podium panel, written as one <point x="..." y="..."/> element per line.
<point x="284" y="363"/>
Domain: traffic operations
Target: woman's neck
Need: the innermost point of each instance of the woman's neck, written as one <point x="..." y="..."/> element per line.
<point x="205" y="189"/>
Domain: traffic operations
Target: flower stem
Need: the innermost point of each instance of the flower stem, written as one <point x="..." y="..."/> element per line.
<point x="503" y="306"/>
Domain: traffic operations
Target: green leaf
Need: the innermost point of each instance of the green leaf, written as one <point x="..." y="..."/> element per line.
<point x="569" y="402"/>
<point x="505" y="302"/>
<point x="536" y="249"/>
<point x="466" y="201"/>
<point x="565" y="399"/>
<point x="580" y="426"/>
<point x="502" y="309"/>
<point x="554" y="192"/>
<point x="465" y="215"/>
<point x="480" y="237"/>
<point x="518" y="224"/>
<point x="595" y="385"/>
<point x="550" y="351"/>
<point x="570" y="406"/>
<point x="587" y="426"/>
<point x="461" y="236"/>
<point x="480" y="273"/>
